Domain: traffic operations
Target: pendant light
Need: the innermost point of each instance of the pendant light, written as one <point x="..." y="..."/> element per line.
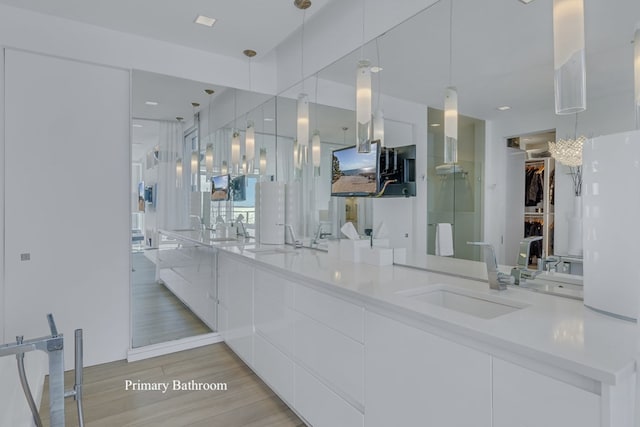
<point x="363" y="106"/>
<point x="244" y="165"/>
<point x="451" y="125"/>
<point x="315" y="139"/>
<point x="378" y="116"/>
<point x="569" y="56"/>
<point x="302" y="133"/>
<point x="208" y="154"/>
<point x="263" y="161"/>
<point x="235" y="139"/>
<point x="179" y="173"/>
<point x="250" y="144"/>
<point x="225" y="168"/>
<point x="303" y="120"/>
<point x="636" y="48"/>
<point x="250" y="135"/>
<point x="450" y="105"/>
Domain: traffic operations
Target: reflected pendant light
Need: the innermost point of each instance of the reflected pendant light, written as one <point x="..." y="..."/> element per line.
<point x="303" y="120"/>
<point x="363" y="106"/>
<point x="569" y="56"/>
<point x="250" y="142"/>
<point x="636" y="48"/>
<point x="235" y="149"/>
<point x="244" y="165"/>
<point x="225" y="167"/>
<point x="378" y="127"/>
<point x="263" y="161"/>
<point x="179" y="173"/>
<point x="451" y="125"/>
<point x="296" y="154"/>
<point x="315" y="150"/>
<point x="208" y="159"/>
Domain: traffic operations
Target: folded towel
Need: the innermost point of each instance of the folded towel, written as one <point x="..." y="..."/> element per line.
<point x="444" y="239"/>
<point x="350" y="231"/>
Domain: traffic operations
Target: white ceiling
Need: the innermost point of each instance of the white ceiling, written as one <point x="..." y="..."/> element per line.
<point x="257" y="25"/>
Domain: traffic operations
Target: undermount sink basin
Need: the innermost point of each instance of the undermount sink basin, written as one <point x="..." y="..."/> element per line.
<point x="269" y="250"/>
<point x="464" y="301"/>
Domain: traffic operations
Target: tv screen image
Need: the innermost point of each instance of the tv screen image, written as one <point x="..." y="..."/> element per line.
<point x="239" y="188"/>
<point x="220" y="187"/>
<point x="353" y="173"/>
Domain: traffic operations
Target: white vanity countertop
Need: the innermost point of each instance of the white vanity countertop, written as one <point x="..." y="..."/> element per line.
<point x="555" y="331"/>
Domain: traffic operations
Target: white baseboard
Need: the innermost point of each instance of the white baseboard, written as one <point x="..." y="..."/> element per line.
<point x="174" y="346"/>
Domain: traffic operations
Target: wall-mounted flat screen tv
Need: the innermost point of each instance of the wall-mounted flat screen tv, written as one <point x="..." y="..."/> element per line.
<point x="353" y="173"/>
<point x="220" y="187"/>
<point x="239" y="188"/>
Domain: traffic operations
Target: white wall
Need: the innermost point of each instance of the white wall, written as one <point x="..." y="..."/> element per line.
<point x="606" y="115"/>
<point x="48" y="34"/>
<point x="67" y="130"/>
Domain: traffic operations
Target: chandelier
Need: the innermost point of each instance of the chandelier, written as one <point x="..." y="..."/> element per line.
<point x="568" y="151"/>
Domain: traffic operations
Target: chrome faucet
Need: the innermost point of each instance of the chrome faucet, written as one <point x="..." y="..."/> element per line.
<point x="295" y="242"/>
<point x="319" y="235"/>
<point x="497" y="280"/>
<point x="239" y="225"/>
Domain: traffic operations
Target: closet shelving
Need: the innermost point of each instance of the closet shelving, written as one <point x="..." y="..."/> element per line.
<point x="539" y="206"/>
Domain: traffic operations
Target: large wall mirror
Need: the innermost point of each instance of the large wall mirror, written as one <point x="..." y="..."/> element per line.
<point x="503" y="72"/>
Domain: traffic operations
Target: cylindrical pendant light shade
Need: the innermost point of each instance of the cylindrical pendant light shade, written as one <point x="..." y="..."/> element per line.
<point x="208" y="159"/>
<point x="194" y="163"/>
<point x="235" y="149"/>
<point x="636" y="62"/>
<point x="569" y="57"/>
<point x="315" y="148"/>
<point x="451" y="125"/>
<point x="303" y="120"/>
<point x="225" y="168"/>
<point x="363" y="107"/>
<point x="263" y="161"/>
<point x="179" y="173"/>
<point x="296" y="154"/>
<point x="250" y="142"/>
<point x="244" y="165"/>
<point x="378" y="127"/>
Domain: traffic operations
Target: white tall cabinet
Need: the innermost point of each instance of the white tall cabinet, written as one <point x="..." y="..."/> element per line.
<point x="67" y="209"/>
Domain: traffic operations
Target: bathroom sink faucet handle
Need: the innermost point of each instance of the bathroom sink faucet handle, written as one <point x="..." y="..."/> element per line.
<point x="52" y="325"/>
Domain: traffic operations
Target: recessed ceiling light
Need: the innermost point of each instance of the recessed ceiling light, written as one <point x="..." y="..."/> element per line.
<point x="268" y="119"/>
<point x="151" y="103"/>
<point x="526" y="1"/>
<point x="435" y="125"/>
<point x="504" y="108"/>
<point x="376" y="69"/>
<point x="205" y="20"/>
<point x="137" y="125"/>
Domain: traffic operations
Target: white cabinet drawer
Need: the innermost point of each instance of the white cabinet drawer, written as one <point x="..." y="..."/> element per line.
<point x="418" y="379"/>
<point x="320" y="406"/>
<point x="337" y="359"/>
<point x="273" y="314"/>
<point x="343" y="316"/>
<point x="523" y="398"/>
<point x="274" y="367"/>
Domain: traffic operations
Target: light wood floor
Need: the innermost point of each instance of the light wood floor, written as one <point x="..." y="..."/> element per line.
<point x="158" y="316"/>
<point x="248" y="402"/>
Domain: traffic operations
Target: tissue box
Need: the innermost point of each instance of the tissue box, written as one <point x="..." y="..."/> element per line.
<point x="376" y="256"/>
<point x="350" y="249"/>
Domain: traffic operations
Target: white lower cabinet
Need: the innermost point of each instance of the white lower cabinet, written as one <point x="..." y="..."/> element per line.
<point x="321" y="406"/>
<point x="237" y="298"/>
<point x="523" y="398"/>
<point x="414" y="378"/>
<point x="274" y="367"/>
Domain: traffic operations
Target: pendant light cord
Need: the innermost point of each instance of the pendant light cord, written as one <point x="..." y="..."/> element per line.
<point x="378" y="73"/>
<point x="575" y="129"/>
<point x="316" y="101"/>
<point x="363" y="21"/>
<point x="304" y="13"/>
<point x="450" y="41"/>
